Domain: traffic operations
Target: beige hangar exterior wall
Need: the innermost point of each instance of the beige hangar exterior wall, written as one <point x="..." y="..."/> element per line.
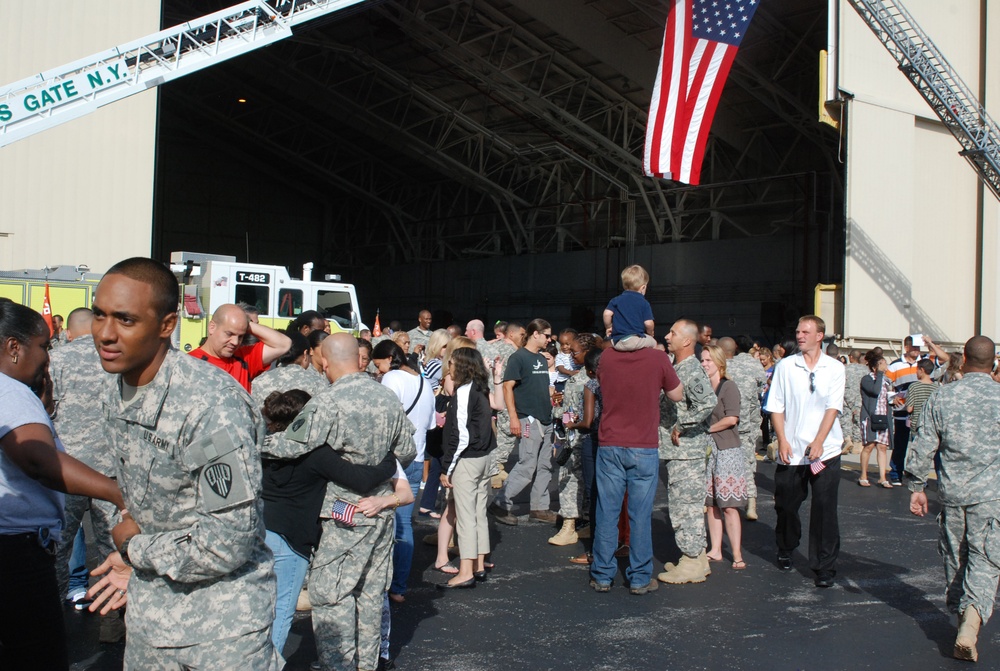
<point x="911" y="199"/>
<point x="82" y="192"/>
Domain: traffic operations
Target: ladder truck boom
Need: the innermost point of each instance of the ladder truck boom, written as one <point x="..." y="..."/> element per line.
<point x="938" y="84"/>
<point x="61" y="94"/>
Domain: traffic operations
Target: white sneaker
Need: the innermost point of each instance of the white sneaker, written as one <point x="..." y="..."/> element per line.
<point x="79" y="600"/>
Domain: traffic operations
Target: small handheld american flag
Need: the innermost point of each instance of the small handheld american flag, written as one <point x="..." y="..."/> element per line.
<point x="344" y="512"/>
<point x="815" y="467"/>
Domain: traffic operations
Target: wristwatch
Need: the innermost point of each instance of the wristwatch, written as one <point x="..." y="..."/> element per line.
<point x="123" y="551"/>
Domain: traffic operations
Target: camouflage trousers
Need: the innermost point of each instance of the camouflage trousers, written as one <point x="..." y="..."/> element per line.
<point x="969" y="543"/>
<point x="850" y="423"/>
<point x="571" y="489"/>
<point x="348" y="579"/>
<point x="751" y="441"/>
<point x="505" y="443"/>
<point x="686" y="503"/>
<point x="103" y="517"/>
<point x="249" y="652"/>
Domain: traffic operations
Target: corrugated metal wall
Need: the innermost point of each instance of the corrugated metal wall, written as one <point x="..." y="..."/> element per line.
<point x="81" y="192"/>
<point x="912" y="200"/>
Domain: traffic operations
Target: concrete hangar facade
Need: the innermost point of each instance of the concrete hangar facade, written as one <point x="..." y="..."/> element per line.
<point x="483" y="159"/>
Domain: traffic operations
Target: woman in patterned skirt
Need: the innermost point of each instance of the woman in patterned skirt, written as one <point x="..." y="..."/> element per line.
<point x="727" y="470"/>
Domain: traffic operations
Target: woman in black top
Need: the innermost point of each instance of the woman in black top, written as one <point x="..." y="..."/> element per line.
<point x="293" y="492"/>
<point x="468" y="442"/>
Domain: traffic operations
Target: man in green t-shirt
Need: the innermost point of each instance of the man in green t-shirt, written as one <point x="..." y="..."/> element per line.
<point x="529" y="402"/>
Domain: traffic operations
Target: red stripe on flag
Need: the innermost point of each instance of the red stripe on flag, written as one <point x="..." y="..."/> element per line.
<point x="668" y="90"/>
<point x="693" y="171"/>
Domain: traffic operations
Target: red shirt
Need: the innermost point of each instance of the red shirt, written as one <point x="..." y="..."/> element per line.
<point x="246" y="363"/>
<point x="631" y="383"/>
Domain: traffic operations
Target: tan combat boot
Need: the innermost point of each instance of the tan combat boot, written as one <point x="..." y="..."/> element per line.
<point x="303" y="604"/>
<point x="752" y="509"/>
<point x="496" y="482"/>
<point x="687" y="570"/>
<point x="567" y="535"/>
<point x="968" y="633"/>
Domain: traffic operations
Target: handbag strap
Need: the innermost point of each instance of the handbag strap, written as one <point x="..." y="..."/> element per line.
<point x="420" y="390"/>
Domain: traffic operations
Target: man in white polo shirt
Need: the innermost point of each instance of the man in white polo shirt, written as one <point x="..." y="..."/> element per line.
<point x="805" y="401"/>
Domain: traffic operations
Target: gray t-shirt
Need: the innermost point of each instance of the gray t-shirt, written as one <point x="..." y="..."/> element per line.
<point x="26" y="506"/>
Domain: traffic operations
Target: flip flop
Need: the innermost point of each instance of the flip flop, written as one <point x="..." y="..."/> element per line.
<point x="864" y="483"/>
<point x="423" y="512"/>
<point x="739" y="565"/>
<point x="443" y="569"/>
<point x="886" y="484"/>
<point x="711" y="558"/>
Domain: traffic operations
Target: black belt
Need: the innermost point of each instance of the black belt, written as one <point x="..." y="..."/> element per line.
<point x="42" y="538"/>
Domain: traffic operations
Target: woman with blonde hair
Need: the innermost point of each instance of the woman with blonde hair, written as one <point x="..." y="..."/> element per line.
<point x="434" y="357"/>
<point x="726" y="470"/>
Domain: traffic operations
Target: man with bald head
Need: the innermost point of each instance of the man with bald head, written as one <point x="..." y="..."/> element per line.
<point x="420" y="334"/>
<point x="750" y="377"/>
<point x="959" y="424"/>
<point x="474" y="331"/>
<point x="224" y="346"/>
<point x="348" y="578"/>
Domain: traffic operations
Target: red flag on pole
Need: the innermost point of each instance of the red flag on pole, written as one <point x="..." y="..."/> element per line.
<point x="699" y="46"/>
<point x="47" y="310"/>
<point x="377" y="331"/>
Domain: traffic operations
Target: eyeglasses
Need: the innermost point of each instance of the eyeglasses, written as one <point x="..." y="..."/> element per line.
<point x="812" y="383"/>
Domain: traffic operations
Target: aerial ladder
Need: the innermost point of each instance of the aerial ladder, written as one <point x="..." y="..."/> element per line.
<point x="938" y="83"/>
<point x="59" y="95"/>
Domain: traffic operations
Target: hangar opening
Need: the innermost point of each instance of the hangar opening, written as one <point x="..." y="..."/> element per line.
<point x="484" y="159"/>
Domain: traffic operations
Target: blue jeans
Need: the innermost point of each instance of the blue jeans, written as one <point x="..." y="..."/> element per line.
<point x="402" y="552"/>
<point x="621" y="469"/>
<point x="290" y="571"/>
<point x="79" y="577"/>
<point x="428" y="500"/>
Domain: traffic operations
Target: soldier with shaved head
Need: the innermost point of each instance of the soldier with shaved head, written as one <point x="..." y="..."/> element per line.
<point x="959" y="423"/>
<point x="224" y="346"/>
<point x="474" y="331"/>
<point x="185" y="442"/>
<point x="363" y="421"/>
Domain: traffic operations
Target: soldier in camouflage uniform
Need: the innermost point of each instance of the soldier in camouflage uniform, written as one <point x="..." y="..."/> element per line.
<point x="685" y="444"/>
<point x="850" y="419"/>
<point x="76" y="376"/>
<point x="750" y="378"/>
<point x="350" y="569"/>
<point x="959" y="423"/>
<point x="505" y="441"/>
<point x="571" y="491"/>
<point x="192" y="562"/>
<point x="474" y="331"/>
<point x="292" y="370"/>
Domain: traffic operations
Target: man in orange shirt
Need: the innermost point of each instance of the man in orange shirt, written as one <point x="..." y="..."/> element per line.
<point x="224" y="346"/>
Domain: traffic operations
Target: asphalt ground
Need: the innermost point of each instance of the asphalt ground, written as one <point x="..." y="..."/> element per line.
<point x="886" y="610"/>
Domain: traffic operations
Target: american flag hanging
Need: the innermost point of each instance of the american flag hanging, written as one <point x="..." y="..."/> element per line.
<point x="699" y="46"/>
<point x="344" y="512"/>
